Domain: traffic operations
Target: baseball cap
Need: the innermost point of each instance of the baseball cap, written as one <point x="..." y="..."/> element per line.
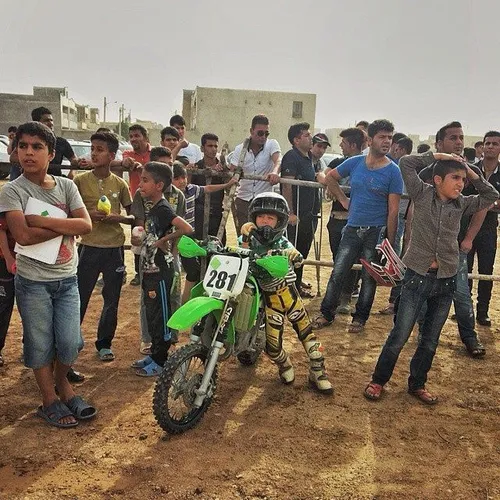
<point x="321" y="138"/>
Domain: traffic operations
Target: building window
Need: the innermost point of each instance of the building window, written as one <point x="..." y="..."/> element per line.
<point x="297" y="109"/>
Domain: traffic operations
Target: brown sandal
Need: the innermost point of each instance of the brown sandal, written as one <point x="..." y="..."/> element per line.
<point x="320" y="322"/>
<point x="424" y="395"/>
<point x="373" y="391"/>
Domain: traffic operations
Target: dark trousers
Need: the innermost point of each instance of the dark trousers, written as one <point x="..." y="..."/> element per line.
<point x="6" y="300"/>
<point x="356" y="242"/>
<point x="241" y="210"/>
<point x="416" y="291"/>
<point x="137" y="259"/>
<point x="485" y="247"/>
<point x="109" y="262"/>
<point x="301" y="237"/>
<point x="335" y="228"/>
<point x="156" y="288"/>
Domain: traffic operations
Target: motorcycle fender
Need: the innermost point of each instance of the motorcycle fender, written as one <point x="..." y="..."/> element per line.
<point x="192" y="312"/>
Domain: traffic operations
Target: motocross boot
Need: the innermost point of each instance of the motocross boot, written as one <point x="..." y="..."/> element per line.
<point x="285" y="367"/>
<point x="318" y="378"/>
<point x="317" y="373"/>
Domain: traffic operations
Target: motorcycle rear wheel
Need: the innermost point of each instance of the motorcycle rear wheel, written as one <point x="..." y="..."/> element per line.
<point x="175" y="388"/>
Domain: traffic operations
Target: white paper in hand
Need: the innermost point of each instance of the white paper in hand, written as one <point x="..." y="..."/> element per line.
<point x="48" y="250"/>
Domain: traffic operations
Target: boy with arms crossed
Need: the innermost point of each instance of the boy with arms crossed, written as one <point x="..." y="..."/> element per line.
<point x="47" y="294"/>
<point x="432" y="262"/>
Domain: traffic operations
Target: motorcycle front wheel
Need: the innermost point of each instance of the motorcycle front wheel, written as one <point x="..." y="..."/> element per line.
<point x="175" y="390"/>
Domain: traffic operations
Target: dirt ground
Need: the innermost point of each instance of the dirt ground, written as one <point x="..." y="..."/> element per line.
<point x="261" y="439"/>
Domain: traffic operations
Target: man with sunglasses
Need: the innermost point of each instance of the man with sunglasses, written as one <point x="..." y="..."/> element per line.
<point x="262" y="157"/>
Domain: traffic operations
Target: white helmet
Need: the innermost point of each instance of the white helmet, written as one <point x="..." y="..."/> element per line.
<point x="391" y="268"/>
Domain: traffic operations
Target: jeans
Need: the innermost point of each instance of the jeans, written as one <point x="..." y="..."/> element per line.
<point x="301" y="236"/>
<point x="335" y="228"/>
<point x="416" y="291"/>
<point x="356" y="242"/>
<point x="109" y="262"/>
<point x="485" y="247"/>
<point x="50" y="312"/>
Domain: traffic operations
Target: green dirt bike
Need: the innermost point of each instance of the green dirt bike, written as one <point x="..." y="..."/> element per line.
<point x="226" y="313"/>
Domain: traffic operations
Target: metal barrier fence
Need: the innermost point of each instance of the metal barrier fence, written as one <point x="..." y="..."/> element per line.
<point x="4" y="167"/>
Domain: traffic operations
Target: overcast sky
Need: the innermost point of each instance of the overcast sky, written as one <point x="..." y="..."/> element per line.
<point x="419" y="63"/>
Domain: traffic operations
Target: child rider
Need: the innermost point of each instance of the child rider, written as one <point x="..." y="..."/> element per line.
<point x="268" y="214"/>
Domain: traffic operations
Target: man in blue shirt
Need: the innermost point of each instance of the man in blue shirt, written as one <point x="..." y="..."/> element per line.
<point x="376" y="188"/>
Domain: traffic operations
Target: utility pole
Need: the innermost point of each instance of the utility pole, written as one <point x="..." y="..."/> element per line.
<point x="121" y="117"/>
<point x="105" y="104"/>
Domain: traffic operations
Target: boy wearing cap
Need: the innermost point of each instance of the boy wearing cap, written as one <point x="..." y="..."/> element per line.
<point x="304" y="202"/>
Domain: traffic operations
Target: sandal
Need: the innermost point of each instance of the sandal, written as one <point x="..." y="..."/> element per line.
<point x="424" y="395"/>
<point x="475" y="348"/>
<point x="141" y="363"/>
<point x="80" y="408"/>
<point x="306" y="285"/>
<point x="151" y="370"/>
<point x="106" y="355"/>
<point x="56" y="411"/>
<point x="320" y="322"/>
<point x="356" y="327"/>
<point x="373" y="391"/>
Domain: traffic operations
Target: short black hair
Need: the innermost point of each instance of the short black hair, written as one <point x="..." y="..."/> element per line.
<point x="363" y="123"/>
<point x="296" y="129"/>
<point x="470" y="154"/>
<point x="183" y="159"/>
<point x="378" y="126"/>
<point x="169" y="131"/>
<point x="407" y="144"/>
<point x="37" y="113"/>
<point x="396" y="136"/>
<point x="37" y="129"/>
<point x="491" y="133"/>
<point x="103" y="129"/>
<point x="443" y="168"/>
<point x="422" y="148"/>
<point x="478" y="143"/>
<point x="140" y="128"/>
<point x="160" y="172"/>
<point x="158" y="152"/>
<point x="177" y="120"/>
<point x="208" y="137"/>
<point x="259" y="120"/>
<point x="353" y="135"/>
<point x="12" y="129"/>
<point x="109" y="138"/>
<point x="441" y="133"/>
<point x="179" y="170"/>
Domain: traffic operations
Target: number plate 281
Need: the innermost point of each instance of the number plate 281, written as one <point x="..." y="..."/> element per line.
<point x="225" y="276"/>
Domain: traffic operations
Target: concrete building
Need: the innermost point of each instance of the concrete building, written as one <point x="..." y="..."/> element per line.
<point x="229" y="112"/>
<point x="70" y="118"/>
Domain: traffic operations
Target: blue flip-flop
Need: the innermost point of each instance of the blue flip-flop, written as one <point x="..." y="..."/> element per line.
<point x="151" y="370"/>
<point x="54" y="412"/>
<point x="141" y="363"/>
<point x="106" y="354"/>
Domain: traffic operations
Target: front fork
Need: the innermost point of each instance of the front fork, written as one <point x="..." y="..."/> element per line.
<point x="215" y="348"/>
